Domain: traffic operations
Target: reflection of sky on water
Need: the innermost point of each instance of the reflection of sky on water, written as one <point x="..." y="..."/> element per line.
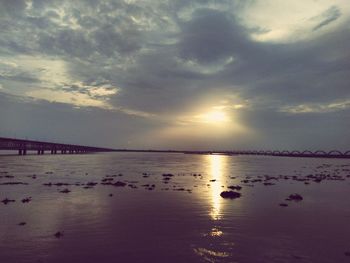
<point x="218" y="165"/>
<point x="137" y="225"/>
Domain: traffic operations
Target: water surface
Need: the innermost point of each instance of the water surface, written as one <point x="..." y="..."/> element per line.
<point x="182" y="219"/>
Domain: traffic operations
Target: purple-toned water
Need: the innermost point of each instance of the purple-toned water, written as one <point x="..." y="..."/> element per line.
<point x="182" y="219"/>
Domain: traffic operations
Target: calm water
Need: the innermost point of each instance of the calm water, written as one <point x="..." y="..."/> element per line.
<point x="183" y="219"/>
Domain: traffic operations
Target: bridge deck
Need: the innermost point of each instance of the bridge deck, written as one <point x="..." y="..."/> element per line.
<point x="304" y="154"/>
<point x="23" y="146"/>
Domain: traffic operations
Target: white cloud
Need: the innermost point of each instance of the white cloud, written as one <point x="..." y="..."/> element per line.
<point x="53" y="82"/>
<point x="317" y="107"/>
<point x="289" y="20"/>
<point x="192" y="65"/>
<point x="74" y="98"/>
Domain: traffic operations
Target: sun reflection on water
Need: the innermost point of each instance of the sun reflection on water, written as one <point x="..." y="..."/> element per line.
<point x="217" y="165"/>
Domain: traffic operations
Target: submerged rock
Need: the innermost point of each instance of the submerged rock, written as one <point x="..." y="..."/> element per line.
<point x="283" y="204"/>
<point x="347" y="253"/>
<point x="107" y="180"/>
<point x="26" y="200"/>
<point x="22" y="223"/>
<point x="294" y="197"/>
<point x="234" y="187"/>
<point x="58" y="234"/>
<point x="167" y="175"/>
<point x="230" y="194"/>
<point x="65" y="191"/>
<point x="6" y="201"/>
<point x="119" y="184"/>
<point x="179" y="189"/>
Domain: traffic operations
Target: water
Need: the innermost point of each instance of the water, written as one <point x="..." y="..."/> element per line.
<point x="184" y="220"/>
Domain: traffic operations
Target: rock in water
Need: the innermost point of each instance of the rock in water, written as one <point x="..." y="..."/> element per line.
<point x="295" y="197"/>
<point x="235" y="187"/>
<point x="26" y="200"/>
<point x="58" y="234"/>
<point x="167" y="175"/>
<point x="119" y="184"/>
<point x="6" y="201"/>
<point x="230" y="194"/>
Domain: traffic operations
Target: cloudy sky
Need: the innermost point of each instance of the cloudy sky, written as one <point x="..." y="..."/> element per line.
<point x="180" y="74"/>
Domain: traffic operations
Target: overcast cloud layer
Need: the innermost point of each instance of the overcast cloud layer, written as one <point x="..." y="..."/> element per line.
<point x="142" y="74"/>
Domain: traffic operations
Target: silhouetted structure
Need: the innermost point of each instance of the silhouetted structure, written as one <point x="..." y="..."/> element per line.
<point x="23" y="146"/>
<point x="315" y="154"/>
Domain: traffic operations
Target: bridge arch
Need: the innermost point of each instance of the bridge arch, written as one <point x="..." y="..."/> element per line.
<point x="307" y="152"/>
<point x="335" y="152"/>
<point x="295" y="152"/>
<point x="276" y="152"/>
<point x="319" y="152"/>
<point x="347" y="153"/>
<point x="285" y="152"/>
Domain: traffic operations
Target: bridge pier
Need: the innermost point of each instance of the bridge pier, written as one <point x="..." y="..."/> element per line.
<point x="22" y="152"/>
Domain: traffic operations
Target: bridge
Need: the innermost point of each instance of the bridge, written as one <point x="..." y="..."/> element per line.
<point x="310" y="154"/>
<point x="24" y="146"/>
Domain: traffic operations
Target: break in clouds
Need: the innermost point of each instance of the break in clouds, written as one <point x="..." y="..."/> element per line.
<point x="155" y="74"/>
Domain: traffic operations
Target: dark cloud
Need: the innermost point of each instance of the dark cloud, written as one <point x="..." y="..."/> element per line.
<point x="211" y="35"/>
<point x="166" y="58"/>
<point x="66" y="42"/>
<point x="12" y="8"/>
<point x="109" y="40"/>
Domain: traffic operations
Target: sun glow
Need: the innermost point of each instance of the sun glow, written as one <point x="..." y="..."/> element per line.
<point x="215" y="117"/>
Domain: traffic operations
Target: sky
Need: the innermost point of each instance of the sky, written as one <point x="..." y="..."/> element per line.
<point x="177" y="74"/>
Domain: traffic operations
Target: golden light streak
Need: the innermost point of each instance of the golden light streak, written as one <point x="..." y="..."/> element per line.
<point x="217" y="166"/>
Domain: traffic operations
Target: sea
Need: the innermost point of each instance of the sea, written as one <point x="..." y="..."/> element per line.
<point x="168" y="207"/>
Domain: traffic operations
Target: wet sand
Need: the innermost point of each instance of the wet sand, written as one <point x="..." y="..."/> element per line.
<point x="147" y="207"/>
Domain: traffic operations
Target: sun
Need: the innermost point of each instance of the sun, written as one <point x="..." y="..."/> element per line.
<point x="214" y="117"/>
